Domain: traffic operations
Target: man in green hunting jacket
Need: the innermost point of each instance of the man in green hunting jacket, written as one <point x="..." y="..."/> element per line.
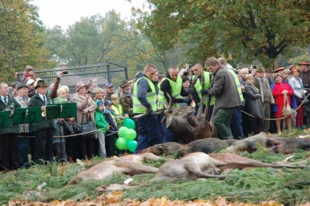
<point x="43" y="130"/>
<point x="9" y="135"/>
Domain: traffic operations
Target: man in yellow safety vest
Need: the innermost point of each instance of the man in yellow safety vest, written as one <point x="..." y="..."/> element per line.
<point x="172" y="86"/>
<point x="144" y="102"/>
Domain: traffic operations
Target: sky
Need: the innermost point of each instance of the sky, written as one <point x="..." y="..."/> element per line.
<point x="67" y="12"/>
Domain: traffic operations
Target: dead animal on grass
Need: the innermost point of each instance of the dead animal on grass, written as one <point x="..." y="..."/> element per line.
<point x="190" y="167"/>
<point x="234" y="161"/>
<point x="207" y="145"/>
<point x="200" y="165"/>
<point x="130" y="165"/>
<point x="168" y="148"/>
<point x="249" y="144"/>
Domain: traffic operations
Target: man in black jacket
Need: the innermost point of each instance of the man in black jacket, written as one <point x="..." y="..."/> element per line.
<point x="44" y="130"/>
<point x="9" y="135"/>
<point x="172" y="86"/>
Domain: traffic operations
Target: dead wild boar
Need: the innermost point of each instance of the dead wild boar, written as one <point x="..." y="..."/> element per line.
<point x="287" y="145"/>
<point x="207" y="145"/>
<point x="249" y="144"/>
<point x="168" y="148"/>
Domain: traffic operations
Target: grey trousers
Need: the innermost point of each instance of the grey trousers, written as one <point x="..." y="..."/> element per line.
<point x="266" y="123"/>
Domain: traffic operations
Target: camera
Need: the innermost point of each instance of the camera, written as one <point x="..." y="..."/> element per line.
<point x="89" y="92"/>
<point x="65" y="72"/>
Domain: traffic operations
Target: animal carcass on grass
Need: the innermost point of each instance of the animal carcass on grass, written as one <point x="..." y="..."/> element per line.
<point x="185" y="125"/>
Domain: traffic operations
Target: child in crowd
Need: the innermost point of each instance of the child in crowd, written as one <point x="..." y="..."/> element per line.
<point x="112" y="132"/>
<point x="102" y="127"/>
<point x="117" y="110"/>
<point x="59" y="146"/>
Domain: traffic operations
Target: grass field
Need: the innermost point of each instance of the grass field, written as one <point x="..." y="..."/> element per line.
<point x="287" y="186"/>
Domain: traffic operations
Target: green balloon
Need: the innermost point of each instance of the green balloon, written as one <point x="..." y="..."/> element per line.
<point x="132" y="145"/>
<point x="122" y="131"/>
<point x="129" y="123"/>
<point x="121" y="143"/>
<point x="130" y="134"/>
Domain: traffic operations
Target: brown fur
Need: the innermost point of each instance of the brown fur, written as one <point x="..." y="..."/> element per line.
<point x="168" y="148"/>
<point x="248" y="144"/>
<point x="190" y="167"/>
<point x="200" y="165"/>
<point x="235" y="161"/>
<point x="130" y="164"/>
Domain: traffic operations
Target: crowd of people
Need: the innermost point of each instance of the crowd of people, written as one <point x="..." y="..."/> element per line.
<point x="241" y="102"/>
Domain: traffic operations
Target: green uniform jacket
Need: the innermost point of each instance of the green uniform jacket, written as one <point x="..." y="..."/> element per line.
<point x="11" y="129"/>
<point x="36" y="101"/>
<point x="101" y="123"/>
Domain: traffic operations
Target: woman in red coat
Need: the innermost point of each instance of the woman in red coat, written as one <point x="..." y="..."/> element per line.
<point x="280" y="88"/>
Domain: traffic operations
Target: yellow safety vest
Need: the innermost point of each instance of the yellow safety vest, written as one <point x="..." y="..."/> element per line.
<point x="207" y="85"/>
<point x="176" y="88"/>
<point x="237" y="83"/>
<point x="150" y="96"/>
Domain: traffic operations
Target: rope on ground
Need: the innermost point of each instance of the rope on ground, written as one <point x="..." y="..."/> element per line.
<point x="280" y="117"/>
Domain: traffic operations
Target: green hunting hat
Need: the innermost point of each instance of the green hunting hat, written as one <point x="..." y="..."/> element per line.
<point x="260" y="69"/>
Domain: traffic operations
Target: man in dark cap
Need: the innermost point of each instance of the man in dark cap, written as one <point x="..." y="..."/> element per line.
<point x="109" y="91"/>
<point x="8" y="135"/>
<point x="125" y="97"/>
<point x="25" y="130"/>
<point x="262" y="84"/>
<point x="44" y="130"/>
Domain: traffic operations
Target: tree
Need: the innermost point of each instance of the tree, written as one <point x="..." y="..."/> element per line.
<point x="247" y="30"/>
<point x="56" y="43"/>
<point x="21" y="41"/>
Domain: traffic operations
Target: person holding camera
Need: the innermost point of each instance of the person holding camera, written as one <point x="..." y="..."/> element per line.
<point x="9" y="135"/>
<point x="54" y="86"/>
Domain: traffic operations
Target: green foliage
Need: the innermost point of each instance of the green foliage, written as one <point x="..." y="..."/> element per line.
<point x="21" y="38"/>
<point x="246" y="30"/>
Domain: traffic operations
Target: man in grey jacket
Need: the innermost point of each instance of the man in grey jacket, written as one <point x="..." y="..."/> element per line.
<point x="224" y="88"/>
<point x="262" y="84"/>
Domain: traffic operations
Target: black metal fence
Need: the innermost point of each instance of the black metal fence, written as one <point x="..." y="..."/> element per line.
<point x="101" y="74"/>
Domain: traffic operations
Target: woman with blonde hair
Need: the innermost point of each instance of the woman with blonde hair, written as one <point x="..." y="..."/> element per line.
<point x="253" y="105"/>
<point x="85" y="111"/>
